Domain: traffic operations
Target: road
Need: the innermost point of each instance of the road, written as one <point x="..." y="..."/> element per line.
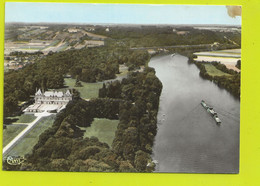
<point x="24" y="132"/>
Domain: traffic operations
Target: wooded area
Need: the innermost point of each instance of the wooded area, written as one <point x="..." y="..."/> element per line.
<point x="87" y="65"/>
<point x="62" y="147"/>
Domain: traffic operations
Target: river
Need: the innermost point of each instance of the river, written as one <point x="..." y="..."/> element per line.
<point x="188" y="139"/>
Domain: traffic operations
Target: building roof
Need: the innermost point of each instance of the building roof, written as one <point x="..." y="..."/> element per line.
<point x="38" y="93"/>
<point x="68" y="93"/>
<point x="53" y="94"/>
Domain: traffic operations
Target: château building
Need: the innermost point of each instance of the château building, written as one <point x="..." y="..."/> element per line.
<point x="49" y="101"/>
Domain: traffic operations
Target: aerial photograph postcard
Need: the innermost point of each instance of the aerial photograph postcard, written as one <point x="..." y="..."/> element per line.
<point x="121" y="88"/>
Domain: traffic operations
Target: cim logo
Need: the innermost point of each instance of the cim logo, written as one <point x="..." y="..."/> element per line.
<point x="12" y="160"/>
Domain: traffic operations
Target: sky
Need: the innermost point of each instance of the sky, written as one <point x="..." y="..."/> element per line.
<point x="118" y="13"/>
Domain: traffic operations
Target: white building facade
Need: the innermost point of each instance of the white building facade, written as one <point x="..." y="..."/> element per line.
<point x="49" y="101"/>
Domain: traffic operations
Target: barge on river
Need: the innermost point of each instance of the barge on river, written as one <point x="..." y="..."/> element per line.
<point x="212" y="112"/>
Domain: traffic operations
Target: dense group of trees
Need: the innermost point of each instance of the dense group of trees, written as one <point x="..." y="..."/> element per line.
<point x="138" y="114"/>
<point x="223" y="68"/>
<point x="63" y="148"/>
<point x="230" y="83"/>
<point x="19" y="85"/>
<point x="138" y="117"/>
<point x="147" y="36"/>
<point x="88" y="65"/>
<point x="25" y="54"/>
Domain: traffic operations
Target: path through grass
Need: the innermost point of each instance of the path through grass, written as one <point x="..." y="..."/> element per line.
<point x="11" y="132"/>
<point x="26" y="144"/>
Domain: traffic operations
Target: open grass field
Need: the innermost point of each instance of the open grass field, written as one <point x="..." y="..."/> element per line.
<point x="95" y="35"/>
<point x="11" y="132"/>
<point x="24" y="118"/>
<point x="87" y="91"/>
<point x="26" y="144"/>
<point x="213" y="71"/>
<point x="233" y="53"/>
<point x="103" y="129"/>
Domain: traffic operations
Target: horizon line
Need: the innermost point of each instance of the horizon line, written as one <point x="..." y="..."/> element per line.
<point x="80" y="23"/>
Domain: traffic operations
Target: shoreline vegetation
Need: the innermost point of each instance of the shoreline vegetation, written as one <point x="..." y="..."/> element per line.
<point x="134" y="100"/>
<point x="229" y="80"/>
<point x="213" y="71"/>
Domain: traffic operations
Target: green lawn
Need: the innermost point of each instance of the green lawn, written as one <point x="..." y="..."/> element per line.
<point x="26" y="144"/>
<point x="213" y="71"/>
<point x="103" y="129"/>
<point x="11" y="132"/>
<point x="87" y="91"/>
<point x="123" y="69"/>
<point x="24" y="118"/>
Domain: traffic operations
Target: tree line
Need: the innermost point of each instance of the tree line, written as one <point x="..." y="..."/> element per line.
<point x="230" y="83"/>
<point x="149" y="36"/>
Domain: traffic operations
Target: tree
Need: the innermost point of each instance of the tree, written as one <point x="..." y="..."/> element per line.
<point x="238" y="65"/>
<point x="78" y="83"/>
<point x="10" y="105"/>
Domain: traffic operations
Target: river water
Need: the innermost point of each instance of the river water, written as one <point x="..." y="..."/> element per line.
<point x="188" y="139"/>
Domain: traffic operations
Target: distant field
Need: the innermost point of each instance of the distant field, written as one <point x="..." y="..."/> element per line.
<point x="226" y="57"/>
<point x="235" y="51"/>
<point x="87" y="91"/>
<point x="26" y="144"/>
<point x="95" y="35"/>
<point x="213" y="71"/>
<point x="218" y="54"/>
<point x="11" y="132"/>
<point x="55" y="43"/>
<point x="103" y="129"/>
<point x="222" y="53"/>
<point x="64" y="47"/>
